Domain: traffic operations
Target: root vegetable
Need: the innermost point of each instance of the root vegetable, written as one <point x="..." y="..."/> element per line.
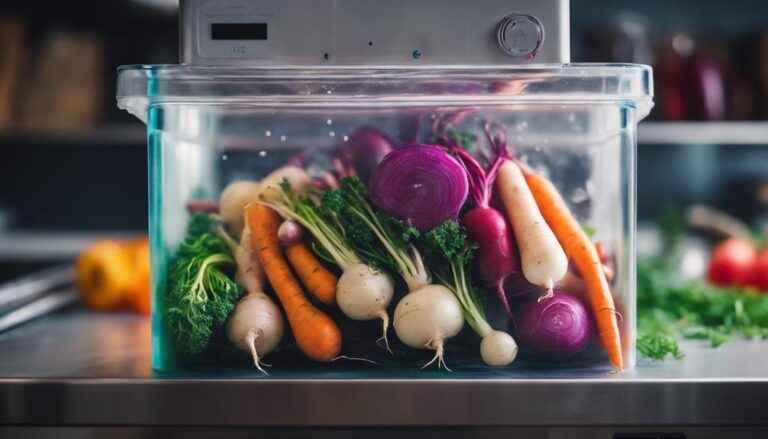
<point x="556" y="327"/>
<point x="429" y="314"/>
<point x="233" y="199"/>
<point x="422" y="185"/>
<point x="256" y="324"/>
<point x="542" y="257"/>
<point x="363" y="151"/>
<point x="426" y="317"/>
<point x="366" y="292"/>
<point x="584" y="255"/>
<point x="449" y="254"/>
<point x="249" y="274"/>
<point x="316" y="334"/>
<point x="290" y="232"/>
<point x="496" y="257"/>
<point x="316" y="278"/>
<point x="270" y="186"/>
<point x="498" y="348"/>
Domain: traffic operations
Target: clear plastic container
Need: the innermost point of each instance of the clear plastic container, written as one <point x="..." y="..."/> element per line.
<point x="207" y="127"/>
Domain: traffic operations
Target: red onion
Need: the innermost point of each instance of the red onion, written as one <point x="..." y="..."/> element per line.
<point x="420" y="184"/>
<point x="555" y="327"/>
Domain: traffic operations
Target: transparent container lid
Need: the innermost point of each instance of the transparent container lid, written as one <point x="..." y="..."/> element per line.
<point x="139" y="86"/>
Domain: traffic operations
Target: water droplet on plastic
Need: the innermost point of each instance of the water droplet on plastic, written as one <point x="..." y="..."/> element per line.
<point x="268" y="133"/>
<point x="329" y="91"/>
<point x="262" y="153"/>
<point x="346" y="138"/>
<point x="224" y="157"/>
<point x="332" y="133"/>
<point x="282" y="138"/>
<point x="329" y="122"/>
<point x="579" y="195"/>
<point x="416" y="54"/>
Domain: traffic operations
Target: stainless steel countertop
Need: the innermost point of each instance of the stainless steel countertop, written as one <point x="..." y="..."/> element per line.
<point x="83" y="368"/>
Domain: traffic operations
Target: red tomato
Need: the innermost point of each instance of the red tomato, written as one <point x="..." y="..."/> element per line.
<point x="760" y="271"/>
<point x="732" y="262"/>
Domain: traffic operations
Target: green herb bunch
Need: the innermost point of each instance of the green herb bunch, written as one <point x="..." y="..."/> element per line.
<point x="668" y="309"/>
<point x="200" y="294"/>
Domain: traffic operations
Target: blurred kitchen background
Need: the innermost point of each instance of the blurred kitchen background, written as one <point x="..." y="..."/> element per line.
<point x="73" y="167"/>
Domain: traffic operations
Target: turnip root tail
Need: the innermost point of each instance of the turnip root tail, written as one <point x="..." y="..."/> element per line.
<point x="548" y="292"/>
<point x="503" y="295"/>
<point x="437" y="345"/>
<point x="382" y="314"/>
<point x="344" y="357"/>
<point x="250" y="339"/>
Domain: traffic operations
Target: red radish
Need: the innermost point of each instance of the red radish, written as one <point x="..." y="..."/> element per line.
<point x="496" y="258"/>
<point x="732" y="262"/>
<point x="759" y="278"/>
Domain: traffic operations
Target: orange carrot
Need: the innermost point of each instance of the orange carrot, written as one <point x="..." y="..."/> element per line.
<point x="584" y="255"/>
<point x="316" y="334"/>
<point x="316" y="278"/>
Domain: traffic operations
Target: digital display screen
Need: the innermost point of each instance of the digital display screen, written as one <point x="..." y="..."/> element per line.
<point x="239" y="31"/>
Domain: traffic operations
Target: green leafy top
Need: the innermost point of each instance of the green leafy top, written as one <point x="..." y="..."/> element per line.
<point x="384" y="242"/>
<point x="668" y="308"/>
<point x="331" y="237"/>
<point x="449" y="256"/>
<point x="467" y="141"/>
<point x="200" y="294"/>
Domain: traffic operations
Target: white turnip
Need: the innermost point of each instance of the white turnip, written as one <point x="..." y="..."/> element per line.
<point x="362" y="293"/>
<point x="451" y="258"/>
<point x="426" y="317"/>
<point x="256" y="325"/>
<point x="233" y="199"/>
<point x="429" y="314"/>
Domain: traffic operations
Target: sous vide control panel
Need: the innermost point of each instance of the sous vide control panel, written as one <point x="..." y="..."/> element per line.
<point x="392" y="33"/>
<point x="235" y="29"/>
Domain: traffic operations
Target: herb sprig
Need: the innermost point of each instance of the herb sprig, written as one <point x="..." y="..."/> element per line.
<point x="200" y="294"/>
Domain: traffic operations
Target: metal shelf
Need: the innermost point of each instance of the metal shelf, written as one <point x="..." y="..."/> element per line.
<point x="703" y="133"/>
<point x="102" y="376"/>
<point x="35" y="246"/>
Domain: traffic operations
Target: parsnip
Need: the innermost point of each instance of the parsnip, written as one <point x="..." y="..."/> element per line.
<point x="542" y="257"/>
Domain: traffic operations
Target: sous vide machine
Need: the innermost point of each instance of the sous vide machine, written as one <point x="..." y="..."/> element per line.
<point x="415" y="188"/>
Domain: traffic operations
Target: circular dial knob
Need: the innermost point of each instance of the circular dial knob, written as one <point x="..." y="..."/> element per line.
<point x="520" y="36"/>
